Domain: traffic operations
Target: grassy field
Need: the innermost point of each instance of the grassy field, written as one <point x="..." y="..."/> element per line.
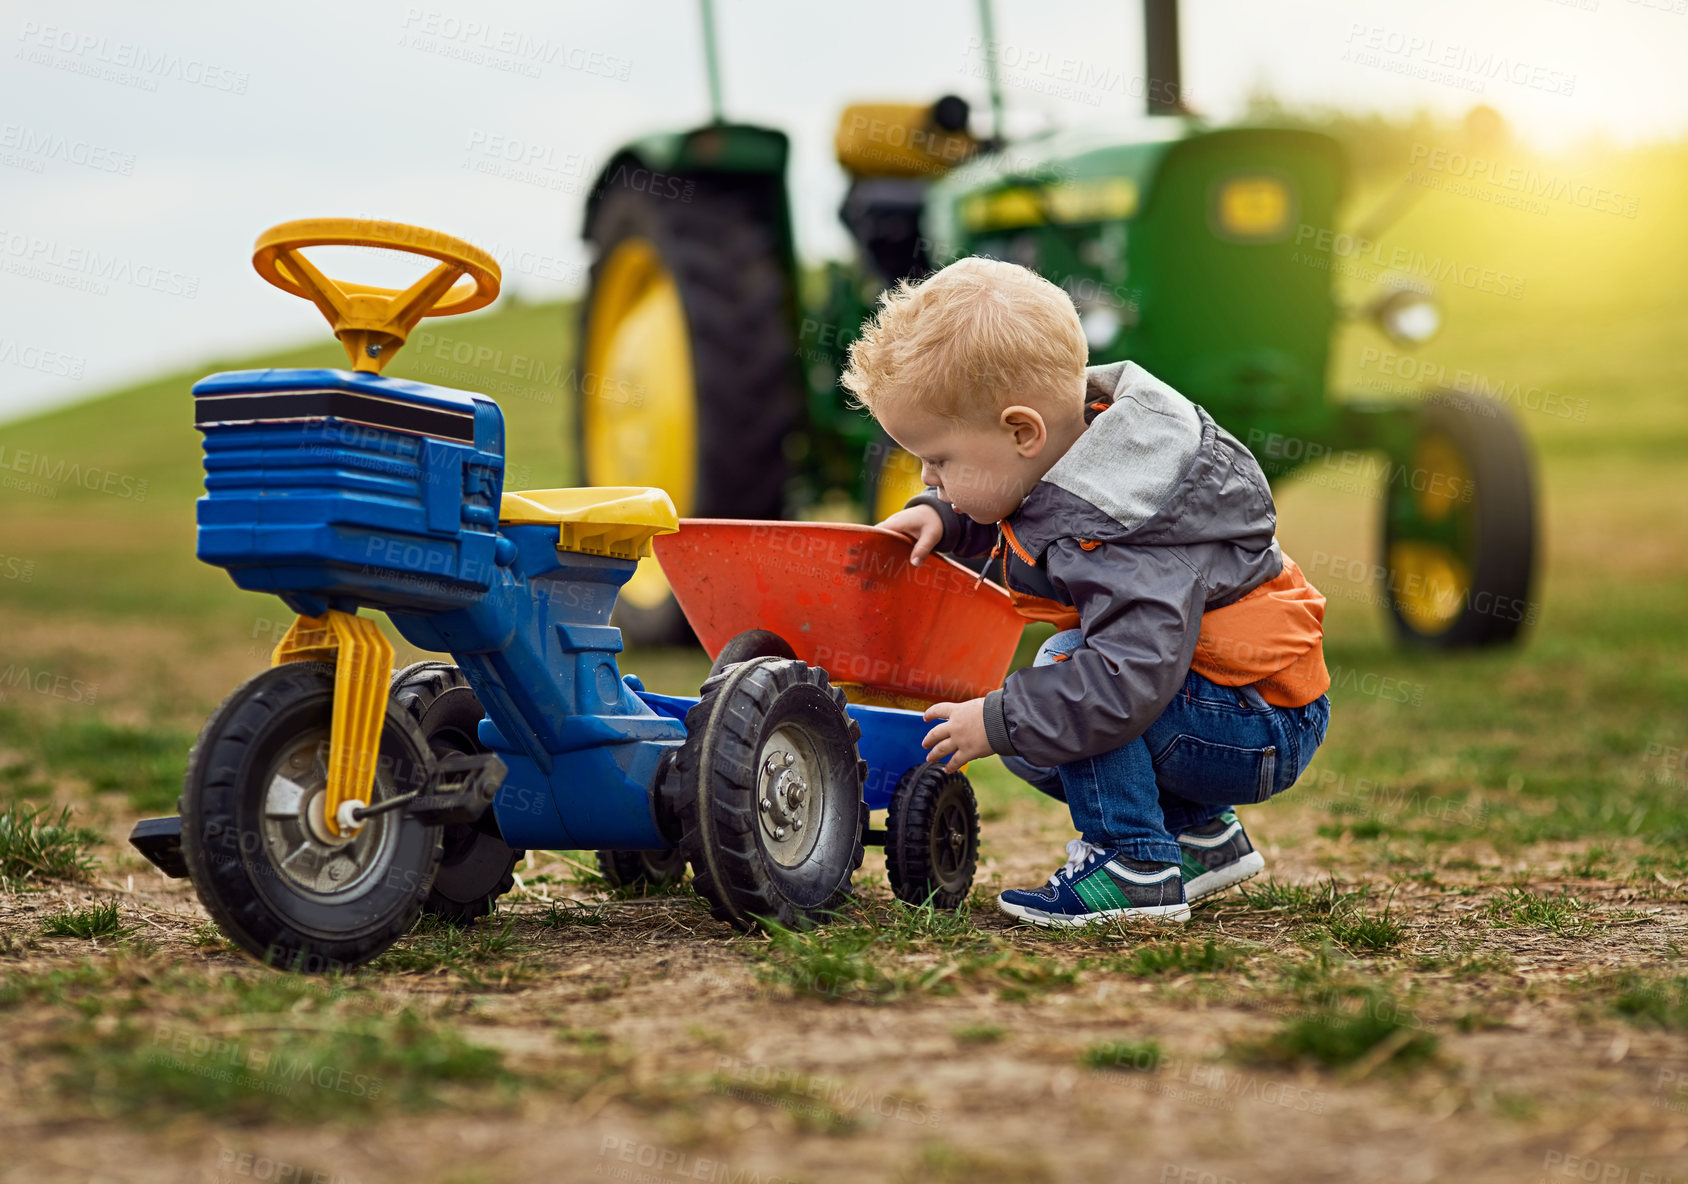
<point x="1465" y="960"/>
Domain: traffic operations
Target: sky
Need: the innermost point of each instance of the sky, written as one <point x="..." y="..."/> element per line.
<point x="143" y="147"/>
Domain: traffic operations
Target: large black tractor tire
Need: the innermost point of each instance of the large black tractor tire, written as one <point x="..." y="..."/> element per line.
<point x="273" y="880"/>
<point x="1459" y="527"/>
<point x="769" y="790"/>
<point x="719" y="241"/>
<point x="476" y="865"/>
<point x="932" y="843"/>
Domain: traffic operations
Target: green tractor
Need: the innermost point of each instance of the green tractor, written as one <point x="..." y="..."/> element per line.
<point x="710" y="363"/>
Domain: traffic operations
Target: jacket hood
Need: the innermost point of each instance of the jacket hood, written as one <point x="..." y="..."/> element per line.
<point x="1152" y="469"/>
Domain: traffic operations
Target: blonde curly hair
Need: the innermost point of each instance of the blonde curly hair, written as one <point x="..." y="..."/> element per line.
<point x="969" y="340"/>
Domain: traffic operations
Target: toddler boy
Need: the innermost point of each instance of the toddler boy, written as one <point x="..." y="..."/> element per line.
<point x="1187" y="676"/>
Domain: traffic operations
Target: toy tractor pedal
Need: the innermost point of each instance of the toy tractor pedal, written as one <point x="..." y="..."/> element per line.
<point x="476" y="865"/>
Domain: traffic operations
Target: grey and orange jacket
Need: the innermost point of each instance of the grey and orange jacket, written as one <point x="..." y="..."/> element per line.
<point x="1154" y="535"/>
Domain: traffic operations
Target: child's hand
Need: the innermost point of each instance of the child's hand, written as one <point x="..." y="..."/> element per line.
<point x="920" y="523"/>
<point x="961" y="736"/>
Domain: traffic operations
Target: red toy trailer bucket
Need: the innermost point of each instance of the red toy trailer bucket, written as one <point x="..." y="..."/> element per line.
<point x="846" y="599"/>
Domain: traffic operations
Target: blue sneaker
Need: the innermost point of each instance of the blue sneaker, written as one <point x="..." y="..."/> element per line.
<point x="1217" y="856"/>
<point x="1098" y="884"/>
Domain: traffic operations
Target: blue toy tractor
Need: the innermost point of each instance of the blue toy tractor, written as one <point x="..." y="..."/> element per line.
<point x="329" y="800"/>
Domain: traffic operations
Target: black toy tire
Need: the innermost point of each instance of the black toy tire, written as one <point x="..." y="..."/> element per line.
<point x="476" y="865"/>
<point x="720" y="243"/>
<point x="742" y="714"/>
<point x="752" y="643"/>
<point x="642" y="869"/>
<point x="932" y="837"/>
<point x="231" y="773"/>
<point x="1500" y="522"/>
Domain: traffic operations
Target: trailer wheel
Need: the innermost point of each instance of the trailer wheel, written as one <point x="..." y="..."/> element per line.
<point x="275" y="881"/>
<point x="752" y="643"/>
<point x="476" y="865"/>
<point x="688" y="364"/>
<point x="642" y="869"/>
<point x="932" y="844"/>
<point x="1459" y="527"/>
<point x="769" y="786"/>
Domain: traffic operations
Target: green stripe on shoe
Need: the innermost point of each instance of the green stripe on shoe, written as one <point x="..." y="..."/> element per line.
<point x="1100" y="892"/>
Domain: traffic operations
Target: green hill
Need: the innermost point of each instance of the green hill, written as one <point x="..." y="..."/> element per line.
<point x="102" y="504"/>
<point x="99" y="495"/>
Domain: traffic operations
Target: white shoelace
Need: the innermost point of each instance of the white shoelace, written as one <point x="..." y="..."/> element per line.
<point x="1079" y="853"/>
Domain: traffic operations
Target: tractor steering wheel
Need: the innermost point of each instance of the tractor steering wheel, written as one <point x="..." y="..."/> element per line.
<point x="373" y="322"/>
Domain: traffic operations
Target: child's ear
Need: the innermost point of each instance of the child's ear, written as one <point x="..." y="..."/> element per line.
<point x="1030" y="432"/>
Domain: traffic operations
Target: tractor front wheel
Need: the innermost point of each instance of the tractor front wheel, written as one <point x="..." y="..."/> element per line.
<point x="275" y="878"/>
<point x="1459" y="529"/>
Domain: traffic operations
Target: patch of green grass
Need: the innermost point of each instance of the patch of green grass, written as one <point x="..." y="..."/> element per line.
<point x="1591" y="864"/>
<point x="1017" y="975"/>
<point x="1127" y="1056"/>
<point x="1184" y="958"/>
<point x="881" y="953"/>
<point x="1360" y="828"/>
<point x="591" y="1039"/>
<point x="1367" y="931"/>
<point x="206" y="936"/>
<point x="36" y="844"/>
<point x="146" y="765"/>
<point x="1564" y="915"/>
<point x="58" y="986"/>
<point x="1464" y="965"/>
<point x="909" y="924"/>
<point x="979" y="1034"/>
<point x="345" y="1069"/>
<point x="1651" y="1000"/>
<point x="833" y="962"/>
<point x="485" y="955"/>
<point x="809" y="1113"/>
<point x="1342" y="912"/>
<point x="1322" y="899"/>
<point x="567" y="913"/>
<point x="1369" y="1029"/>
<point x="941" y="1163"/>
<point x="97" y="920"/>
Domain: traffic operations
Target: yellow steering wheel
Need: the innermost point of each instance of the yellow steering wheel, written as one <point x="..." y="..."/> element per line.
<point x="372" y="323"/>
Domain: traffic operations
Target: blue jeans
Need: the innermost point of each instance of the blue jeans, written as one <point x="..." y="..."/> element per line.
<point x="1212" y="748"/>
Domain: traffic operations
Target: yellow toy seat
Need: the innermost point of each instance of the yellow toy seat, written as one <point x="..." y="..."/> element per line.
<point x="618" y="520"/>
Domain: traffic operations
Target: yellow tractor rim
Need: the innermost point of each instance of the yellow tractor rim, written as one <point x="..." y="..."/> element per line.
<point x="1432" y="581"/>
<point x="899" y="480"/>
<point x="638" y="401"/>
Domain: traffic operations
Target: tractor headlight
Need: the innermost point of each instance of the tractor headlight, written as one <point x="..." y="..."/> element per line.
<point x="1407" y="316"/>
<point x="1101" y="325"/>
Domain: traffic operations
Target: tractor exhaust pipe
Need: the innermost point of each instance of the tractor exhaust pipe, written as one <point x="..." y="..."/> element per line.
<point x="1162" y="80"/>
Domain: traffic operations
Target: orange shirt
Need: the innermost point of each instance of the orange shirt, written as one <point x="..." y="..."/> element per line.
<point x="1272" y="637"/>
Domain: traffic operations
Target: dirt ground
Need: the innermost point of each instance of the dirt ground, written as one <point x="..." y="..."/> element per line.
<point x="651" y="1043"/>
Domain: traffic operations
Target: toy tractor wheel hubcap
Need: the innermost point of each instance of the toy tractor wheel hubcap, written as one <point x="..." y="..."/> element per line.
<point x="303" y="851"/>
<point x="788" y="804"/>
